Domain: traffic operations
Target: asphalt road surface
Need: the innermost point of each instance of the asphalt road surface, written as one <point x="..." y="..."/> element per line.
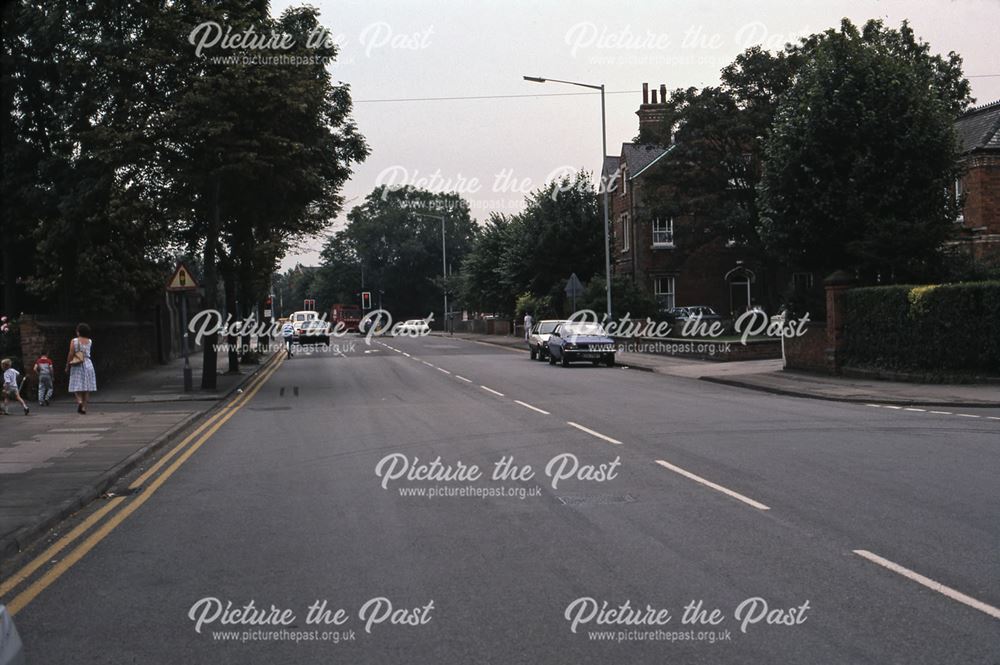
<point x="739" y="527"/>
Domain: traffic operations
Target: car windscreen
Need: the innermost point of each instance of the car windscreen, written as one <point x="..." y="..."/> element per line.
<point x="546" y="328"/>
<point x="582" y="329"/>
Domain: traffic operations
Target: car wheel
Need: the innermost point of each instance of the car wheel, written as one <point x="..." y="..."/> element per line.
<point x="552" y="359"/>
<point x="596" y="362"/>
<point x="534" y="353"/>
<point x="564" y="360"/>
<point x="610" y="361"/>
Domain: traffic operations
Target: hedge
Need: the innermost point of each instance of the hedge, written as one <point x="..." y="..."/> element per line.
<point x="950" y="327"/>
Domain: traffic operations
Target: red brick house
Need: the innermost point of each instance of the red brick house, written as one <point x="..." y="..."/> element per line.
<point x="979" y="137"/>
<point x="673" y="258"/>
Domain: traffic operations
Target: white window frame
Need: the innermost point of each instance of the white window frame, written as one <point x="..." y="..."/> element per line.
<point x="669" y="231"/>
<point x="670" y="293"/>
<point x="624" y="176"/>
<point x="959" y="190"/>
<point x="626" y="233"/>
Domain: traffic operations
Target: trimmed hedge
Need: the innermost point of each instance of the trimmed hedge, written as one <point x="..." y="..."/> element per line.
<point x="945" y="327"/>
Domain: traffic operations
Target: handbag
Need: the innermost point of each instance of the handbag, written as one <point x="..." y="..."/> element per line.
<point x="78" y="356"/>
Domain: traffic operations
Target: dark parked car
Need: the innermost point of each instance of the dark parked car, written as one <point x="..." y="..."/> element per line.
<point x="572" y="341"/>
<point x="538" y="340"/>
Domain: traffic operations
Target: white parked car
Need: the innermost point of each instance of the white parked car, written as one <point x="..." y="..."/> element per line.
<point x="413" y="328"/>
<point x="11" y="649"/>
<point x="538" y="340"/>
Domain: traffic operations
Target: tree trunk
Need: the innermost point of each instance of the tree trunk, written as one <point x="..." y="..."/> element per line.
<point x="233" y="311"/>
<point x="209" y="356"/>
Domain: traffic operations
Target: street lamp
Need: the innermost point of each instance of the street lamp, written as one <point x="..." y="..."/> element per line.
<point x="444" y="269"/>
<point x="604" y="185"/>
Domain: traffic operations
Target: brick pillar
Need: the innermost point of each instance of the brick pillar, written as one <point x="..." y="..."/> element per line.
<point x="836" y="286"/>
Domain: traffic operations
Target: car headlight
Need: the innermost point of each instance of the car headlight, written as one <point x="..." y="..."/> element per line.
<point x="570" y="345"/>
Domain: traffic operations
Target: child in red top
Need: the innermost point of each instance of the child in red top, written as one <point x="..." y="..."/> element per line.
<point x="43" y="369"/>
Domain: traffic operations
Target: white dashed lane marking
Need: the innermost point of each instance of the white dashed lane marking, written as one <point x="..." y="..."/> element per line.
<point x="593" y="433"/>
<point x="490" y="390"/>
<point x="914" y="409"/>
<point x="533" y="408"/>
<point x="708" y="483"/>
<point x="931" y="584"/>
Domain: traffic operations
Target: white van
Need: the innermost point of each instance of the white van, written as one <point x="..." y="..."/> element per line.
<point x="300" y="317"/>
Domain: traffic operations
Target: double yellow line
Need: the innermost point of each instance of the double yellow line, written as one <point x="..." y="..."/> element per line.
<point x="182" y="451"/>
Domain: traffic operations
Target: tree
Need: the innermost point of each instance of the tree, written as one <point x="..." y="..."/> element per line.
<point x="393" y="239"/>
<point x="482" y="287"/>
<point x="862" y="152"/>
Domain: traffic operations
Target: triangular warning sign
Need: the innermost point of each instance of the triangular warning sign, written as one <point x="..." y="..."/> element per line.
<point x="182" y="279"/>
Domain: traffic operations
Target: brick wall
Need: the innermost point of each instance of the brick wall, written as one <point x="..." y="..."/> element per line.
<point x="119" y="348"/>
<point x="808" y="352"/>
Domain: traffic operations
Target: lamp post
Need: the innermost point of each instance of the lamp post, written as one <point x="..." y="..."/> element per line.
<point x="444" y="270"/>
<point x="604" y="152"/>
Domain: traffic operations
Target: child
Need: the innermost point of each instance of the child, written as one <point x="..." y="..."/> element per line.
<point x="10" y="386"/>
<point x="43" y="368"/>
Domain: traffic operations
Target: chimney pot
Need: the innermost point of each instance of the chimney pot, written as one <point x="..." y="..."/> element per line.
<point x="663" y="93"/>
<point x="654" y="97"/>
<point x="645" y="93"/>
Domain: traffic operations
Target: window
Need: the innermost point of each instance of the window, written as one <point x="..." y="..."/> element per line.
<point x="664" y="290"/>
<point x="802" y="280"/>
<point x="624" y="179"/>
<point x="959" y="190"/>
<point x="663" y="233"/>
<point x="626" y="233"/>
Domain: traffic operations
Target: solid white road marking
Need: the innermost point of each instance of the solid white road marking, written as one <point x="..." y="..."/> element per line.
<point x="533" y="408"/>
<point x="490" y="390"/>
<point x="462" y="378"/>
<point x="593" y="433"/>
<point x="441" y="369"/>
<point x="931" y="584"/>
<point x="708" y="483"/>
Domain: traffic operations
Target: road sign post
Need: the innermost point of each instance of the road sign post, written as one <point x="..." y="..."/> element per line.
<point x="182" y="283"/>
<point x="574" y="288"/>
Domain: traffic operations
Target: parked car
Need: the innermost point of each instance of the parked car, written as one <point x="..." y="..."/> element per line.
<point x="11" y="649"/>
<point x="538" y="340"/>
<point x="572" y="341"/>
<point x="313" y="331"/>
<point x="678" y="316"/>
<point x="413" y="328"/>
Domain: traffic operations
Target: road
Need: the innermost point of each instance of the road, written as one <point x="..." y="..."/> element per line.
<point x="822" y="532"/>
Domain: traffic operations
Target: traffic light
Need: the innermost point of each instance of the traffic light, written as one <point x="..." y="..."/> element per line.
<point x="366" y="300"/>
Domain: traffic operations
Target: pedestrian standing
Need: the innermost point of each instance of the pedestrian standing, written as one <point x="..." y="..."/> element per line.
<point x="11" y="388"/>
<point x="528" y="321"/>
<point x="288" y="332"/>
<point x="43" y="370"/>
<point x="82" y="378"/>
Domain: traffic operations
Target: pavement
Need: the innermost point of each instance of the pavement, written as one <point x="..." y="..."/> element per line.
<point x="769" y="376"/>
<point x="438" y="500"/>
<point x="55" y="461"/>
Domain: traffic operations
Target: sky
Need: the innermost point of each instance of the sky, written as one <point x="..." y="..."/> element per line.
<point x="520" y="135"/>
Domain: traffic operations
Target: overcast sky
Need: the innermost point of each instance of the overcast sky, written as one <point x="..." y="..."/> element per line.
<point x="495" y="150"/>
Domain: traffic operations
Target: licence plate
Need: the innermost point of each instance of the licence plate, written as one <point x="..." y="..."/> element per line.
<point x="590" y="356"/>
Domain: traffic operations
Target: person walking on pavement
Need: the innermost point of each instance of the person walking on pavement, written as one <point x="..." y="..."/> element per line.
<point x="43" y="370"/>
<point x="528" y="321"/>
<point x="82" y="378"/>
<point x="288" y="331"/>
<point x="11" y="389"/>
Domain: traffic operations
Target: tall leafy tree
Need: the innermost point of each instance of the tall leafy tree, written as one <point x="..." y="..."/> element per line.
<point x="862" y="152"/>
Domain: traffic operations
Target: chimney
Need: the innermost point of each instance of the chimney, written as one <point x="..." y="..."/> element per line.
<point x="651" y="115"/>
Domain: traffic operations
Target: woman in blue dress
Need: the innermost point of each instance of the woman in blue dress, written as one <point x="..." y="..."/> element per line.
<point x="82" y="378"/>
